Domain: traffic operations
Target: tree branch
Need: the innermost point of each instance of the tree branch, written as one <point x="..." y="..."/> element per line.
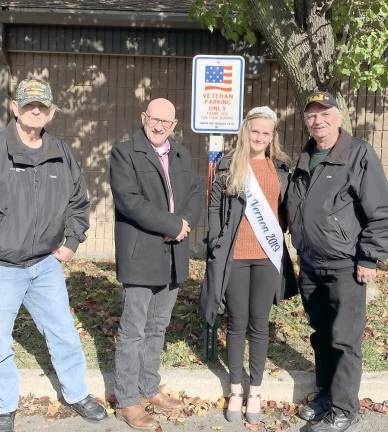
<point x="321" y="40"/>
<point x="347" y="25"/>
<point x="299" y="12"/>
<point x="339" y="51"/>
<point x="288" y="42"/>
<point x="324" y="6"/>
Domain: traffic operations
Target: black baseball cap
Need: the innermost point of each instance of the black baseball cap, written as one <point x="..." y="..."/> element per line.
<point x="322" y="98"/>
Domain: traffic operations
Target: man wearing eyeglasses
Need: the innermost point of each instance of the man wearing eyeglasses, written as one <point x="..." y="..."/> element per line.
<point x="157" y="201"/>
<point x="337" y="209"/>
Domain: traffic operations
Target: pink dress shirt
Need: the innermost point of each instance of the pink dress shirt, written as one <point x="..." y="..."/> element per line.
<point x="162" y="152"/>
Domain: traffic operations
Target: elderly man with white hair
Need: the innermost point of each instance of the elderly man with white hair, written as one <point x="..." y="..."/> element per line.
<point x="338" y="218"/>
<point x="44" y="214"/>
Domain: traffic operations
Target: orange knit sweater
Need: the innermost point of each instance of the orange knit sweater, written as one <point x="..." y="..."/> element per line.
<point x="247" y="245"/>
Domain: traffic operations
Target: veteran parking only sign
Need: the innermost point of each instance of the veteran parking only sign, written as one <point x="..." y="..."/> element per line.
<point x="217" y="94"/>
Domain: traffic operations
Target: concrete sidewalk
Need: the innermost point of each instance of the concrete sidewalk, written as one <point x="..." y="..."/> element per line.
<point x="371" y="422"/>
<point x="289" y="386"/>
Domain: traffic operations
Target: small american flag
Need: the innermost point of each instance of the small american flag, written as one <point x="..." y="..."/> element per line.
<point x="219" y="78"/>
<point x="213" y="158"/>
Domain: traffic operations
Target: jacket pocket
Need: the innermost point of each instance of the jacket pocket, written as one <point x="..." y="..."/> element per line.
<point x="214" y="244"/>
<point x="148" y="245"/>
<point x="343" y="218"/>
<point x="136" y="246"/>
<point x="217" y="242"/>
<point x="340" y="230"/>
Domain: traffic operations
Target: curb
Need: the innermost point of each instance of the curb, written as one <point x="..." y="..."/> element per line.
<point x="287" y="386"/>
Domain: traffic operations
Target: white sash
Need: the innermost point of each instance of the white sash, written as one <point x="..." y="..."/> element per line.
<point x="263" y="221"/>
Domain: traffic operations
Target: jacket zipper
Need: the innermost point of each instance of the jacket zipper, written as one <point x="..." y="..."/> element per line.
<point x="304" y="236"/>
<point x="36" y="209"/>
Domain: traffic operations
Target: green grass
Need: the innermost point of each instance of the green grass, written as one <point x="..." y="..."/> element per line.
<point x="95" y="297"/>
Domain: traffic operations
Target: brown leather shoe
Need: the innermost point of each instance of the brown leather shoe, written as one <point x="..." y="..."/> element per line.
<point x="165" y="403"/>
<point x="137" y="417"/>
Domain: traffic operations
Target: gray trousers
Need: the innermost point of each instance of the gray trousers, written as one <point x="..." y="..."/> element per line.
<point x="145" y="317"/>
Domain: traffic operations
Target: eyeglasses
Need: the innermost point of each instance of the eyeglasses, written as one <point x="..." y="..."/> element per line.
<point x="153" y="121"/>
<point x="324" y="113"/>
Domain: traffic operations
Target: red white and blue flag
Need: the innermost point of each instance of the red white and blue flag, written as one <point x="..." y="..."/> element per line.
<point x="213" y="158"/>
<point x="218" y="78"/>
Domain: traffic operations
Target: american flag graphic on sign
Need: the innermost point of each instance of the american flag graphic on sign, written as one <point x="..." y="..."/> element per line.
<point x="218" y="78"/>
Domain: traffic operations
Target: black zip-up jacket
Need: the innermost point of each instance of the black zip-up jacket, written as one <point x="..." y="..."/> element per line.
<point x="43" y="202"/>
<point x="339" y="215"/>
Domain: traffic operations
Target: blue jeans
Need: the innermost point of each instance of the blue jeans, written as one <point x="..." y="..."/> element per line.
<point x="42" y="290"/>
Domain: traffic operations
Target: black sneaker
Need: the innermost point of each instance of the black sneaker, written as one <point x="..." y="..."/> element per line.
<point x="89" y="409"/>
<point x="7" y="421"/>
<point x="317" y="408"/>
<point x="337" y="422"/>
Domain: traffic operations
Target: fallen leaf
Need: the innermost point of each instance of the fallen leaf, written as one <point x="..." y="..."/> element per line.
<point x="275" y="372"/>
<point x="179" y="421"/>
<point x="252" y="427"/>
<point x="111" y="399"/>
<point x="175" y="394"/>
<point x="366" y="403"/>
<point x="52" y="410"/>
<point x="380" y="408"/>
<point x="221" y="403"/>
<point x="291" y="410"/>
<point x="201" y="411"/>
<point x="272" y="404"/>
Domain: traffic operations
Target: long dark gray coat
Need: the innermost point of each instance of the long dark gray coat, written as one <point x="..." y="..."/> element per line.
<point x="225" y="214"/>
<point x="143" y="219"/>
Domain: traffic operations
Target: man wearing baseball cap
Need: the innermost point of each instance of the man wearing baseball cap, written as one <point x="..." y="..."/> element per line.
<point x="44" y="213"/>
<point x="338" y="218"/>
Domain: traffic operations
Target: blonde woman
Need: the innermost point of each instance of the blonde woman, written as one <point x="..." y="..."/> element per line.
<point x="248" y="267"/>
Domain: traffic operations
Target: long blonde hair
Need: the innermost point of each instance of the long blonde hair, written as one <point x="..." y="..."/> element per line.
<point x="238" y="169"/>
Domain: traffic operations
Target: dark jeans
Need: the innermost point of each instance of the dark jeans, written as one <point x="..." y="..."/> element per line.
<point x="249" y="297"/>
<point x="146" y="314"/>
<point x="335" y="304"/>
